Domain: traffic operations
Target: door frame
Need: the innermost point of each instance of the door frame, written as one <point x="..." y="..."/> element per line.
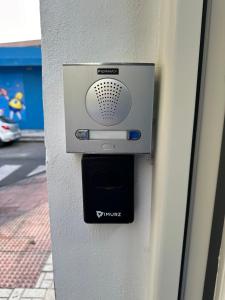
<point x="203" y="184"/>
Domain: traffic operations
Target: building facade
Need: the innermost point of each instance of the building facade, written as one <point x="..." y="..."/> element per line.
<point x="21" y="85"/>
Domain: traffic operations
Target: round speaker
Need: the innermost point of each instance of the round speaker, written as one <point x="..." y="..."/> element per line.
<point x="108" y="101"/>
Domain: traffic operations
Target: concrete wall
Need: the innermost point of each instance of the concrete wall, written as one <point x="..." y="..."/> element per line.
<point x="113" y="261"/>
<point x="94" y="261"/>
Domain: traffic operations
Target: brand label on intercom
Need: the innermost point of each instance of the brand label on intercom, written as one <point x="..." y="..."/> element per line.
<point x="108" y="214"/>
<point x="108" y="71"/>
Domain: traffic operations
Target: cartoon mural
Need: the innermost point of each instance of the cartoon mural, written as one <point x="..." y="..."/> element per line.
<point x="16" y="106"/>
<point x="12" y="96"/>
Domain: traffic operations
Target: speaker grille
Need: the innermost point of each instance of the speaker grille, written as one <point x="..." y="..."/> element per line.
<point x="108" y="101"/>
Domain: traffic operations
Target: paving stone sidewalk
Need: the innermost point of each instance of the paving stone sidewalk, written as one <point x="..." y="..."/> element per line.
<point x="25" y="244"/>
<point x="43" y="290"/>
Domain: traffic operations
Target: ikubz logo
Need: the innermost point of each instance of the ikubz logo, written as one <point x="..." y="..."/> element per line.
<point x="108" y="214"/>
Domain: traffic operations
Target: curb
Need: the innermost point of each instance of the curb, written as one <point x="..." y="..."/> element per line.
<point x="31" y="139"/>
<point x="32" y="136"/>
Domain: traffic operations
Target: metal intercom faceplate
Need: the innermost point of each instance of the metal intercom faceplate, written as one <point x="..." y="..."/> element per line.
<point x="108" y="107"/>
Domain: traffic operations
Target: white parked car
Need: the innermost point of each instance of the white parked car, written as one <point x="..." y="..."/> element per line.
<point x="9" y="130"/>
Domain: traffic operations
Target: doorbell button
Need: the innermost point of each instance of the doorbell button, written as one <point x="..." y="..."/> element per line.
<point x="82" y="134"/>
<point x="134" y="135"/>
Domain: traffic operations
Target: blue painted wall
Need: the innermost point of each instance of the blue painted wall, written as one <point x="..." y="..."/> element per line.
<point x="33" y="93"/>
<point x="20" y="56"/>
<point x="21" y="80"/>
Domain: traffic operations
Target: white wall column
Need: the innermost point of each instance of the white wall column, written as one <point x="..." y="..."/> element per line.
<point x="114" y="262"/>
<point x="93" y="262"/>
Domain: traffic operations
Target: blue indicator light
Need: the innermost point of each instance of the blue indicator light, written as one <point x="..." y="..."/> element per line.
<point x="134" y="135"/>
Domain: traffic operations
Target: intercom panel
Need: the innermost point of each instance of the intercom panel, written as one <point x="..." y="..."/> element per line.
<point x="109" y="107"/>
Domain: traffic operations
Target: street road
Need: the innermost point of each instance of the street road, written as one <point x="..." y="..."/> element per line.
<point x="21" y="160"/>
